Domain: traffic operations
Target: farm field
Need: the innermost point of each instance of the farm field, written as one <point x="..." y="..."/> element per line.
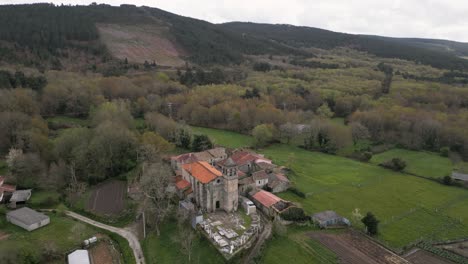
<point x="296" y="247"/>
<point x="354" y="248"/>
<point x="424" y="164"/>
<point x="225" y="138"/>
<point x="409" y="208"/>
<point x="107" y="198"/>
<point x="424" y="257"/>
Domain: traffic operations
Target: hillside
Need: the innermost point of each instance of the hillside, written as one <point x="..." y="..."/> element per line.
<point x="30" y="35"/>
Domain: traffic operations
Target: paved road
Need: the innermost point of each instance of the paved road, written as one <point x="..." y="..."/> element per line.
<point x="131" y="238"/>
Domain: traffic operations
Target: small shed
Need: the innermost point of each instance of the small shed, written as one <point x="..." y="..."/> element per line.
<point x="248" y="206"/>
<point x="20" y="196"/>
<point x="460" y="176"/>
<point x="27" y="218"/>
<point x="80" y="256"/>
<point x="330" y="219"/>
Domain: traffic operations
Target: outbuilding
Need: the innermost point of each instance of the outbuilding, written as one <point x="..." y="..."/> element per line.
<point x="328" y="219"/>
<point x="27" y="218"/>
<point x="79" y="256"/>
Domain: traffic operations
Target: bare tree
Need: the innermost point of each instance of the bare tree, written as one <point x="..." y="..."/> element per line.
<point x="185" y="235"/>
<point x="155" y="181"/>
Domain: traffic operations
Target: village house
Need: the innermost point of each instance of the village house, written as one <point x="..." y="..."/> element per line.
<point x="6" y="190"/>
<point x="269" y="203"/>
<point x="211" y="156"/>
<point x="278" y="182"/>
<point x="80" y="256"/>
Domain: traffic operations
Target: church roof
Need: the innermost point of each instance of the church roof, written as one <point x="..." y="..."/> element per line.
<point x="230" y="163"/>
<point x="202" y="171"/>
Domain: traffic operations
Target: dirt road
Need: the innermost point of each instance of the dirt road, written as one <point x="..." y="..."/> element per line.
<point x="131" y="238"/>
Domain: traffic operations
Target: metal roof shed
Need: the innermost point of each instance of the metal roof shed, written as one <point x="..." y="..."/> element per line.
<point x="27" y="218"/>
<point x="79" y="256"/>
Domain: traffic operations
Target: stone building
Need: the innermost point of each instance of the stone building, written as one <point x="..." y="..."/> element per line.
<point x="213" y="189"/>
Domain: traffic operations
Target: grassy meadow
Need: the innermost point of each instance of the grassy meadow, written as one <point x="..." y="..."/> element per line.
<point x="72" y="233"/>
<point x="165" y="248"/>
<point x="296" y="247"/>
<point x="409" y="208"/>
<point x="225" y="138"/>
<point x="420" y="163"/>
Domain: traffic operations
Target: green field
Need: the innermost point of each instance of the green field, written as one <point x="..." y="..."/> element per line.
<point x="296" y="247"/>
<point x="424" y="164"/>
<point x="165" y="249"/>
<point x="409" y="208"/>
<point x="62" y="234"/>
<point x="225" y="138"/>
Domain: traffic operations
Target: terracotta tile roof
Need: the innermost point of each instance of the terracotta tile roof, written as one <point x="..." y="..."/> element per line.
<point x="282" y="177"/>
<point x="267" y="199"/>
<point x="246" y="181"/>
<point x="182" y="184"/>
<point x="8" y="188"/>
<point x="241" y="173"/>
<point x="260" y="175"/>
<point x="202" y="171"/>
<point x="185" y="158"/>
<point x="217" y="152"/>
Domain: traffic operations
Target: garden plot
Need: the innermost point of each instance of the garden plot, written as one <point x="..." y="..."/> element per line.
<point x="108" y="198"/>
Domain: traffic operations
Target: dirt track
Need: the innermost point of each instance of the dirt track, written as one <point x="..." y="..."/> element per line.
<point x="127" y="234"/>
<point x="354" y="248"/>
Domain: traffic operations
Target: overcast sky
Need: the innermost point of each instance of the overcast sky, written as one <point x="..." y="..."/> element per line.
<point x="446" y="19"/>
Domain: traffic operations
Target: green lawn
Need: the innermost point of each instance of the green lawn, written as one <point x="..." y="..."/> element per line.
<point x="63" y="234"/>
<point x="408" y="207"/>
<point x="296" y="247"/>
<point x="164" y="249"/>
<point x="225" y="138"/>
<point x="425" y="164"/>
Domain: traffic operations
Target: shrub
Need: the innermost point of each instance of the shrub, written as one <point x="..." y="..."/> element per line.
<point x="295" y="214"/>
<point x="262" y="66"/>
<point x="371" y="223"/>
<point x="447" y="180"/>
<point x="395" y="164"/>
<point x="444" y="152"/>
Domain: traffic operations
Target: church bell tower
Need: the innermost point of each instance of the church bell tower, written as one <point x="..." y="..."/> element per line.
<point x="231" y="178"/>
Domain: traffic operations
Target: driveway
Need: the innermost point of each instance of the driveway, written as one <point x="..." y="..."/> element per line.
<point x="125" y="233"/>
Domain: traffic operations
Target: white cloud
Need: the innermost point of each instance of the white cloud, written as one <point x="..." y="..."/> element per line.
<point x="398" y="18"/>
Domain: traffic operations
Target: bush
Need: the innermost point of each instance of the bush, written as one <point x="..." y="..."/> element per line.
<point x="262" y="66"/>
<point x="395" y="164"/>
<point x="447" y="180"/>
<point x="297" y="192"/>
<point x="444" y="152"/>
<point x="295" y="214"/>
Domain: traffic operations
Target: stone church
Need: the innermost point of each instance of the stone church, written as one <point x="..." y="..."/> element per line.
<point x="211" y="189"/>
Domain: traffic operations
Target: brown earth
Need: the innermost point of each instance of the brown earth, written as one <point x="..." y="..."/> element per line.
<point x="104" y="253"/>
<point x="355" y="248"/>
<point x="425" y="257"/>
<point x="140" y="43"/>
<point x="108" y="198"/>
<point x="3" y="236"/>
<point x="460" y="248"/>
